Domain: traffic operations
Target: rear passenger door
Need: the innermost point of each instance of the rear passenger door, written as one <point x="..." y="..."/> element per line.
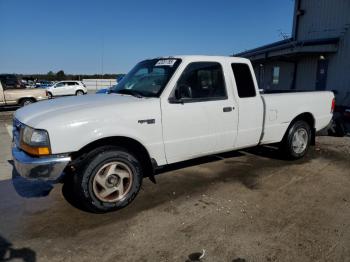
<point x="71" y="88"/>
<point x="251" y="108"/>
<point x="205" y="120"/>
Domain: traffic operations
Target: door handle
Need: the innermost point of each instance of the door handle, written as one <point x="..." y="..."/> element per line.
<point x="227" y="109"/>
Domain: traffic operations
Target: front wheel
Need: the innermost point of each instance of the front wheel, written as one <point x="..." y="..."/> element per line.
<point x="110" y="180"/>
<point x="297" y="140"/>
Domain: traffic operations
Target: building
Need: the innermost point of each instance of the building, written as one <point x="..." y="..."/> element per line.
<point x="316" y="57"/>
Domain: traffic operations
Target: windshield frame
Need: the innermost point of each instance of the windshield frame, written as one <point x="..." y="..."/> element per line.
<point x="137" y="67"/>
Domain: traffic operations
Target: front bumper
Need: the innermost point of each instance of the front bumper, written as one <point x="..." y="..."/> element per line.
<point x="43" y="168"/>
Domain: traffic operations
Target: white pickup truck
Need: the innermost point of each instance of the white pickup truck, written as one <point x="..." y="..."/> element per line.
<point x="165" y="110"/>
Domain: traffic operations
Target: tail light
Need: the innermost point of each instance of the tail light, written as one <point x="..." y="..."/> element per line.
<point x="333" y="105"/>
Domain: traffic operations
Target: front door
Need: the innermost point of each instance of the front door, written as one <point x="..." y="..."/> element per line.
<point x="321" y="74"/>
<point x="200" y="117"/>
<point x="58" y="89"/>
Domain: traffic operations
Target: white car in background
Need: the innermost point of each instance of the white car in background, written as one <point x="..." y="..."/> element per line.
<point x="66" y="88"/>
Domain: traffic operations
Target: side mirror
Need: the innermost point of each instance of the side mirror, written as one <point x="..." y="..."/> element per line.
<point x="177" y="94"/>
<point x="176" y="99"/>
<point x="182" y="92"/>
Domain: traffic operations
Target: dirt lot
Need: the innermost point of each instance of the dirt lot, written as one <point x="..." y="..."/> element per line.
<point x="242" y="206"/>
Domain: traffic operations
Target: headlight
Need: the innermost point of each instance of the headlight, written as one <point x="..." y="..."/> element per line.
<point x="35" y="141"/>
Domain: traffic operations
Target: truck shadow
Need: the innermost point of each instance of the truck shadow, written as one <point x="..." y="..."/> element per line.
<point x="68" y="191"/>
<point x="173" y="187"/>
<point x="268" y="151"/>
<point x="198" y="161"/>
<point x="235" y="170"/>
<point x="29" y="189"/>
<point x="9" y="109"/>
<point x="8" y="253"/>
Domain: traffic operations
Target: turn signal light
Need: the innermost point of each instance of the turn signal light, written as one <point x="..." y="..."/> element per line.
<point x="36" y="151"/>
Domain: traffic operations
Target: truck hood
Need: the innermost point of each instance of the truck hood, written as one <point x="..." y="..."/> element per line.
<point x="68" y="110"/>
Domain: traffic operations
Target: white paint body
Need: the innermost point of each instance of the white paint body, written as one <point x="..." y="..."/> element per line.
<point x="66" y="88"/>
<point x="180" y="131"/>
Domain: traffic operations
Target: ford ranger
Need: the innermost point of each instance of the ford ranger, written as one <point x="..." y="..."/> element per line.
<point x="165" y="110"/>
<point x="20" y="96"/>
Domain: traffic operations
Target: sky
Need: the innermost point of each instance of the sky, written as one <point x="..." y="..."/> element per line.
<point x="107" y="36"/>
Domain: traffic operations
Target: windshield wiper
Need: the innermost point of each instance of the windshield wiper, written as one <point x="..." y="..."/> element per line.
<point x="129" y="92"/>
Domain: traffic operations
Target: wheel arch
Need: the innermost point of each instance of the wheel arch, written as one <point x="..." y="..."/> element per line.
<point x="308" y="118"/>
<point x="130" y="144"/>
<point x="27" y="97"/>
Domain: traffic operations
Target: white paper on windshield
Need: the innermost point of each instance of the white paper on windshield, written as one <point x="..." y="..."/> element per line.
<point x="166" y="62"/>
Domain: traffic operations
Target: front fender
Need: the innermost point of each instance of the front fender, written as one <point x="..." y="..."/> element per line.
<point x="73" y="136"/>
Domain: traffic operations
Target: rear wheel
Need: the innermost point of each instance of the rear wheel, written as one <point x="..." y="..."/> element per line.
<point x="26" y="101"/>
<point x="109" y="180"/>
<point x="49" y="95"/>
<point x="79" y="93"/>
<point x="297" y="140"/>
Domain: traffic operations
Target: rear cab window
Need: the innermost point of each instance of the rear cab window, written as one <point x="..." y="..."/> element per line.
<point x="244" y="80"/>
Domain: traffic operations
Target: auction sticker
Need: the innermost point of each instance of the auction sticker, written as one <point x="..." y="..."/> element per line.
<point x="166" y="62"/>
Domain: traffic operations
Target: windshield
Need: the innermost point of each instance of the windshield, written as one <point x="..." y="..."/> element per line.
<point x="148" y="78"/>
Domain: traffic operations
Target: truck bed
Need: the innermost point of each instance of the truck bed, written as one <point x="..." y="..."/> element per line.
<point x="282" y="107"/>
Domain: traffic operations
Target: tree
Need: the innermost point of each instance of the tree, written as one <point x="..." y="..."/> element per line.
<point x="60" y="75"/>
<point x="50" y="76"/>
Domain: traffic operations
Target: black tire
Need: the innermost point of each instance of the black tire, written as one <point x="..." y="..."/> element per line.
<point x="84" y="179"/>
<point x="49" y="95"/>
<point x="287" y="148"/>
<point x="26" y="101"/>
<point x="79" y="93"/>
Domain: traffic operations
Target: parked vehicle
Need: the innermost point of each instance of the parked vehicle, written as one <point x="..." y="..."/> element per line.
<point x="105" y="90"/>
<point x="20" y="97"/>
<point x="166" y="110"/>
<point x="66" y="88"/>
<point x="44" y="84"/>
<point x="340" y="125"/>
<point x="11" y="81"/>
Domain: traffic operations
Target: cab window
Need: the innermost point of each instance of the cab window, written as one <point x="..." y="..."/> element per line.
<point x="244" y="80"/>
<point x="60" y="84"/>
<point x="201" y="81"/>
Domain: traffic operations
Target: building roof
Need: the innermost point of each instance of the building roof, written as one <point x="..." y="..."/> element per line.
<point x="291" y="47"/>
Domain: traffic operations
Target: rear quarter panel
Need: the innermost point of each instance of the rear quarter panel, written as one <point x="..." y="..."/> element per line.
<point x="281" y="109"/>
